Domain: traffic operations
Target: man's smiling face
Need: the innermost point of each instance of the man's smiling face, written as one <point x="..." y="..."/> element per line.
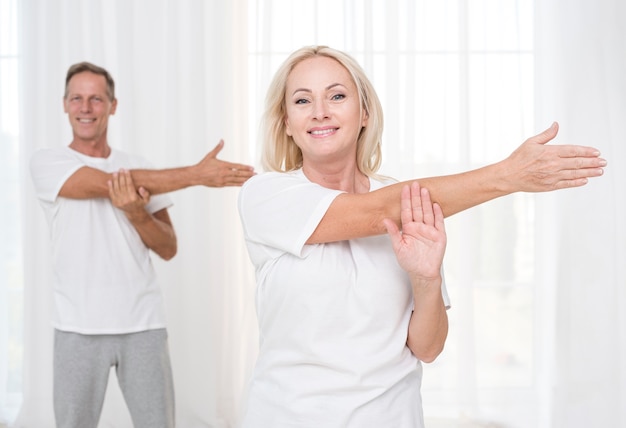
<point x="88" y="107"/>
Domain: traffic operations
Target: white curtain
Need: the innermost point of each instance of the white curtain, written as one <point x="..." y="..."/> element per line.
<point x="581" y="64"/>
<point x="537" y="281"/>
<point x="179" y="68"/>
<point x="538" y="332"/>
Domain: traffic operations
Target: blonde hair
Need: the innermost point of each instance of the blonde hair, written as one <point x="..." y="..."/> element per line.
<point x="280" y="152"/>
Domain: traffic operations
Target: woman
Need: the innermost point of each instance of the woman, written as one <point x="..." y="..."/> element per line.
<point x="346" y="313"/>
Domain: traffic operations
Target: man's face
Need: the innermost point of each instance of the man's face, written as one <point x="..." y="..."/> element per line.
<point x="88" y="107"/>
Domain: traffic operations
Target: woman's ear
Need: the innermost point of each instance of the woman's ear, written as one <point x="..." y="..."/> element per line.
<point x="287" y="128"/>
<point x="366" y="117"/>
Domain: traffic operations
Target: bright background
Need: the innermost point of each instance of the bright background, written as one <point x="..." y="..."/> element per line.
<point x="538" y="282"/>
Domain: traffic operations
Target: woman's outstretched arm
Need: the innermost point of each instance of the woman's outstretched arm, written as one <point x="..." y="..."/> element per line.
<point x="533" y="167"/>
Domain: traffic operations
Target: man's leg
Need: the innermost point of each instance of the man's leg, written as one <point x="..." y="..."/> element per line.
<point x="145" y="376"/>
<point x="81" y="372"/>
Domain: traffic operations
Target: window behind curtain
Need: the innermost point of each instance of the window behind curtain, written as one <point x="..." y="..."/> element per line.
<point x="456" y="82"/>
<point x="10" y="242"/>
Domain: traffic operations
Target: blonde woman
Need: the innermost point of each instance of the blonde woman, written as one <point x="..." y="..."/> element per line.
<point x="346" y="312"/>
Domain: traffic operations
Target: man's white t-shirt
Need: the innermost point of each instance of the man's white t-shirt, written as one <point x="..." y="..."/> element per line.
<point x="333" y="318"/>
<point x="103" y="278"/>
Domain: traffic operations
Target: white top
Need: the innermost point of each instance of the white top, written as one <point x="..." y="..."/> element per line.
<point x="104" y="281"/>
<point x="333" y="318"/>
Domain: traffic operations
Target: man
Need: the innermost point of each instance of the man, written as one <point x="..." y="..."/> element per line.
<point x="106" y="210"/>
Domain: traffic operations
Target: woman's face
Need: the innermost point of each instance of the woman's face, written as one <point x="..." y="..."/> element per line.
<point x="323" y="111"/>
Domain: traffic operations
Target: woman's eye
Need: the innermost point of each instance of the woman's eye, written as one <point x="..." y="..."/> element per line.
<point x="301" y="101"/>
<point x="338" y="97"/>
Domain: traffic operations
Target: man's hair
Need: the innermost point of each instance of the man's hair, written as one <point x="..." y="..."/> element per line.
<point x="92" y="68"/>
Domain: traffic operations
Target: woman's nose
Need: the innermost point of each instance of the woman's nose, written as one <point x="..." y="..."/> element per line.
<point x="321" y="110"/>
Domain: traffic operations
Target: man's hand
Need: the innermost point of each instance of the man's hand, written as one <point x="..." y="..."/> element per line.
<point x="126" y="197"/>
<point x="218" y="173"/>
<point x="155" y="230"/>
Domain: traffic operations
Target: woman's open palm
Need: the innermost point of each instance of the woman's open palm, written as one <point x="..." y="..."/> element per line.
<point x="421" y="244"/>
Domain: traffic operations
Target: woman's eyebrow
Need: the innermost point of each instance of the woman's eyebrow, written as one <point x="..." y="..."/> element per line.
<point x="331" y="86"/>
<point x="334" y="85"/>
<point x="301" y="90"/>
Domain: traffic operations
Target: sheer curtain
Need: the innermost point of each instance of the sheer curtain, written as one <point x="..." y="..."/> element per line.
<point x="538" y="282"/>
<point x="581" y="67"/>
<point x="178" y="69"/>
<point x="11" y="284"/>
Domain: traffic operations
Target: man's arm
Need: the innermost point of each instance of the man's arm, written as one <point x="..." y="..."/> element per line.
<point x="156" y="230"/>
<point x="89" y="182"/>
<point x="532" y="167"/>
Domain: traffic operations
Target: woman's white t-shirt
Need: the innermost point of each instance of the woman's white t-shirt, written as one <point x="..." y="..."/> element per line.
<point x="103" y="278"/>
<point x="333" y="318"/>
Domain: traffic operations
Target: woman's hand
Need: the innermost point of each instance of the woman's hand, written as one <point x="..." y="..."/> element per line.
<point x="421" y="244"/>
<point x="539" y="167"/>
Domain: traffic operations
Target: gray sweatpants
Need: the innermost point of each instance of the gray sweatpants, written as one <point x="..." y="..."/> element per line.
<point x="82" y="364"/>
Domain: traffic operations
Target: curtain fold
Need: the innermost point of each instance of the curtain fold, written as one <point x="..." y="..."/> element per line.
<point x="177" y="67"/>
<point x="580" y="82"/>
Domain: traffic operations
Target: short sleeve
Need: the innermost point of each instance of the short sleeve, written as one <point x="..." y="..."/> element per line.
<point x="282" y="210"/>
<point x="49" y="169"/>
